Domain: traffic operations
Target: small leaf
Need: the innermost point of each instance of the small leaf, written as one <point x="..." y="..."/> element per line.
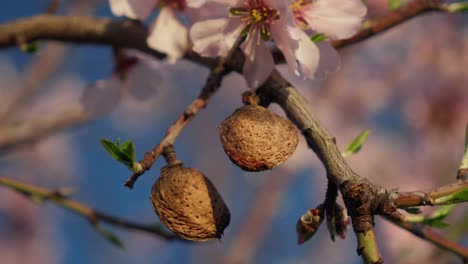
<point x="460" y="196"/>
<point x="458" y="7"/>
<point x="318" y="38"/>
<point x="128" y="148"/>
<point x="413" y="210"/>
<point x="36" y="198"/>
<point x="453" y="198"/>
<point x="443" y="211"/>
<point x="356" y="144"/>
<point x="394" y="4"/>
<point x="32" y="47"/>
<point x="437" y="218"/>
<point x="111" y="237"/>
<point x="115" y="151"/>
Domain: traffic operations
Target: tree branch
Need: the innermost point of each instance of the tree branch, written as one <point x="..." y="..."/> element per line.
<point x="212" y="84"/>
<point x="31" y="130"/>
<point x="426" y="233"/>
<point x="393" y="18"/>
<point x="92" y="215"/>
<point x="132" y="34"/>
<point x="368" y="248"/>
<point x="438" y="196"/>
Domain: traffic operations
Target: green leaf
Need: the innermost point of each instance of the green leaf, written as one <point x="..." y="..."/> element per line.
<point x="443" y="211"/>
<point x="458" y="7"/>
<point x="115" y="151"/>
<point x="32" y="47"/>
<point x="111" y="237"/>
<point x="356" y="144"/>
<point x="129" y="150"/>
<point x="412" y="210"/>
<point x="318" y="38"/>
<point x="394" y="4"/>
<point x="437" y="218"/>
<point x="460" y="196"/>
<point x="453" y="198"/>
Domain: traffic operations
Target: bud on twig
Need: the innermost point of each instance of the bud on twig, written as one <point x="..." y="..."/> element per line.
<point x="309" y="223"/>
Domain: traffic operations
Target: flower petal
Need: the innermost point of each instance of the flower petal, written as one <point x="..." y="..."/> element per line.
<point x="329" y="60"/>
<point x="134" y="9"/>
<point x="102" y="97"/>
<point x="307" y="54"/>
<point x="287" y="45"/>
<point x="200" y="3"/>
<point x="258" y="63"/>
<point x="301" y="54"/>
<point x="143" y="80"/>
<point x="209" y="10"/>
<point x="215" y="37"/>
<point x="335" y="18"/>
<point x="168" y="35"/>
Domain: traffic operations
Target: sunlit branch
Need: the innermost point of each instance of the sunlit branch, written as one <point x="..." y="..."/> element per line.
<point x="14" y="135"/>
<point x="92" y="215"/>
<point x="426" y="233"/>
<point x="212" y="84"/>
<point x="431" y="197"/>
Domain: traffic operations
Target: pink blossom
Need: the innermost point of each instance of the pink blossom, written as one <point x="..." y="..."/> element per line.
<point x="259" y="21"/>
<point x="277" y="20"/>
<point x="336" y="19"/>
<point x="167" y="34"/>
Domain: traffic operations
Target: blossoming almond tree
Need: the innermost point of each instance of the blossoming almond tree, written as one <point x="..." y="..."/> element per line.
<point x="210" y="33"/>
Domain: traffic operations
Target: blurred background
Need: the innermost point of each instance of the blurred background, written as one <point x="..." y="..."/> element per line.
<point x="408" y="85"/>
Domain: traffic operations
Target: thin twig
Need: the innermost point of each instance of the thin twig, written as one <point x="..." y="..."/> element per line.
<point x="431" y="197"/>
<point x="212" y="84"/>
<point x="426" y="233"/>
<point x="29" y="131"/>
<point x="392" y="19"/>
<point x="92" y="215"/>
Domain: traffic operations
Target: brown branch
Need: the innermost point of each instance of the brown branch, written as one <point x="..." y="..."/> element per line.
<point x="391" y="19"/>
<point x="431" y="197"/>
<point x="212" y="84"/>
<point x="362" y="198"/>
<point x="426" y="233"/>
<point x="132" y="34"/>
<point x="92" y="215"/>
<point x="29" y="131"/>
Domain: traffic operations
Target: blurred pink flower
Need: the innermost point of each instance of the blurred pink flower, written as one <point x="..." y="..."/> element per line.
<point x="136" y="75"/>
<point x="167" y="33"/>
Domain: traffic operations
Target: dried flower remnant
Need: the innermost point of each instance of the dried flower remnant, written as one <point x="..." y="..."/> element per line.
<point x="309" y="223"/>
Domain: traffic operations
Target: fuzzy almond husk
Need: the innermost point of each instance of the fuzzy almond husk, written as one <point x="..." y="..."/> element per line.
<point x="257" y="139"/>
<point x="188" y="203"/>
